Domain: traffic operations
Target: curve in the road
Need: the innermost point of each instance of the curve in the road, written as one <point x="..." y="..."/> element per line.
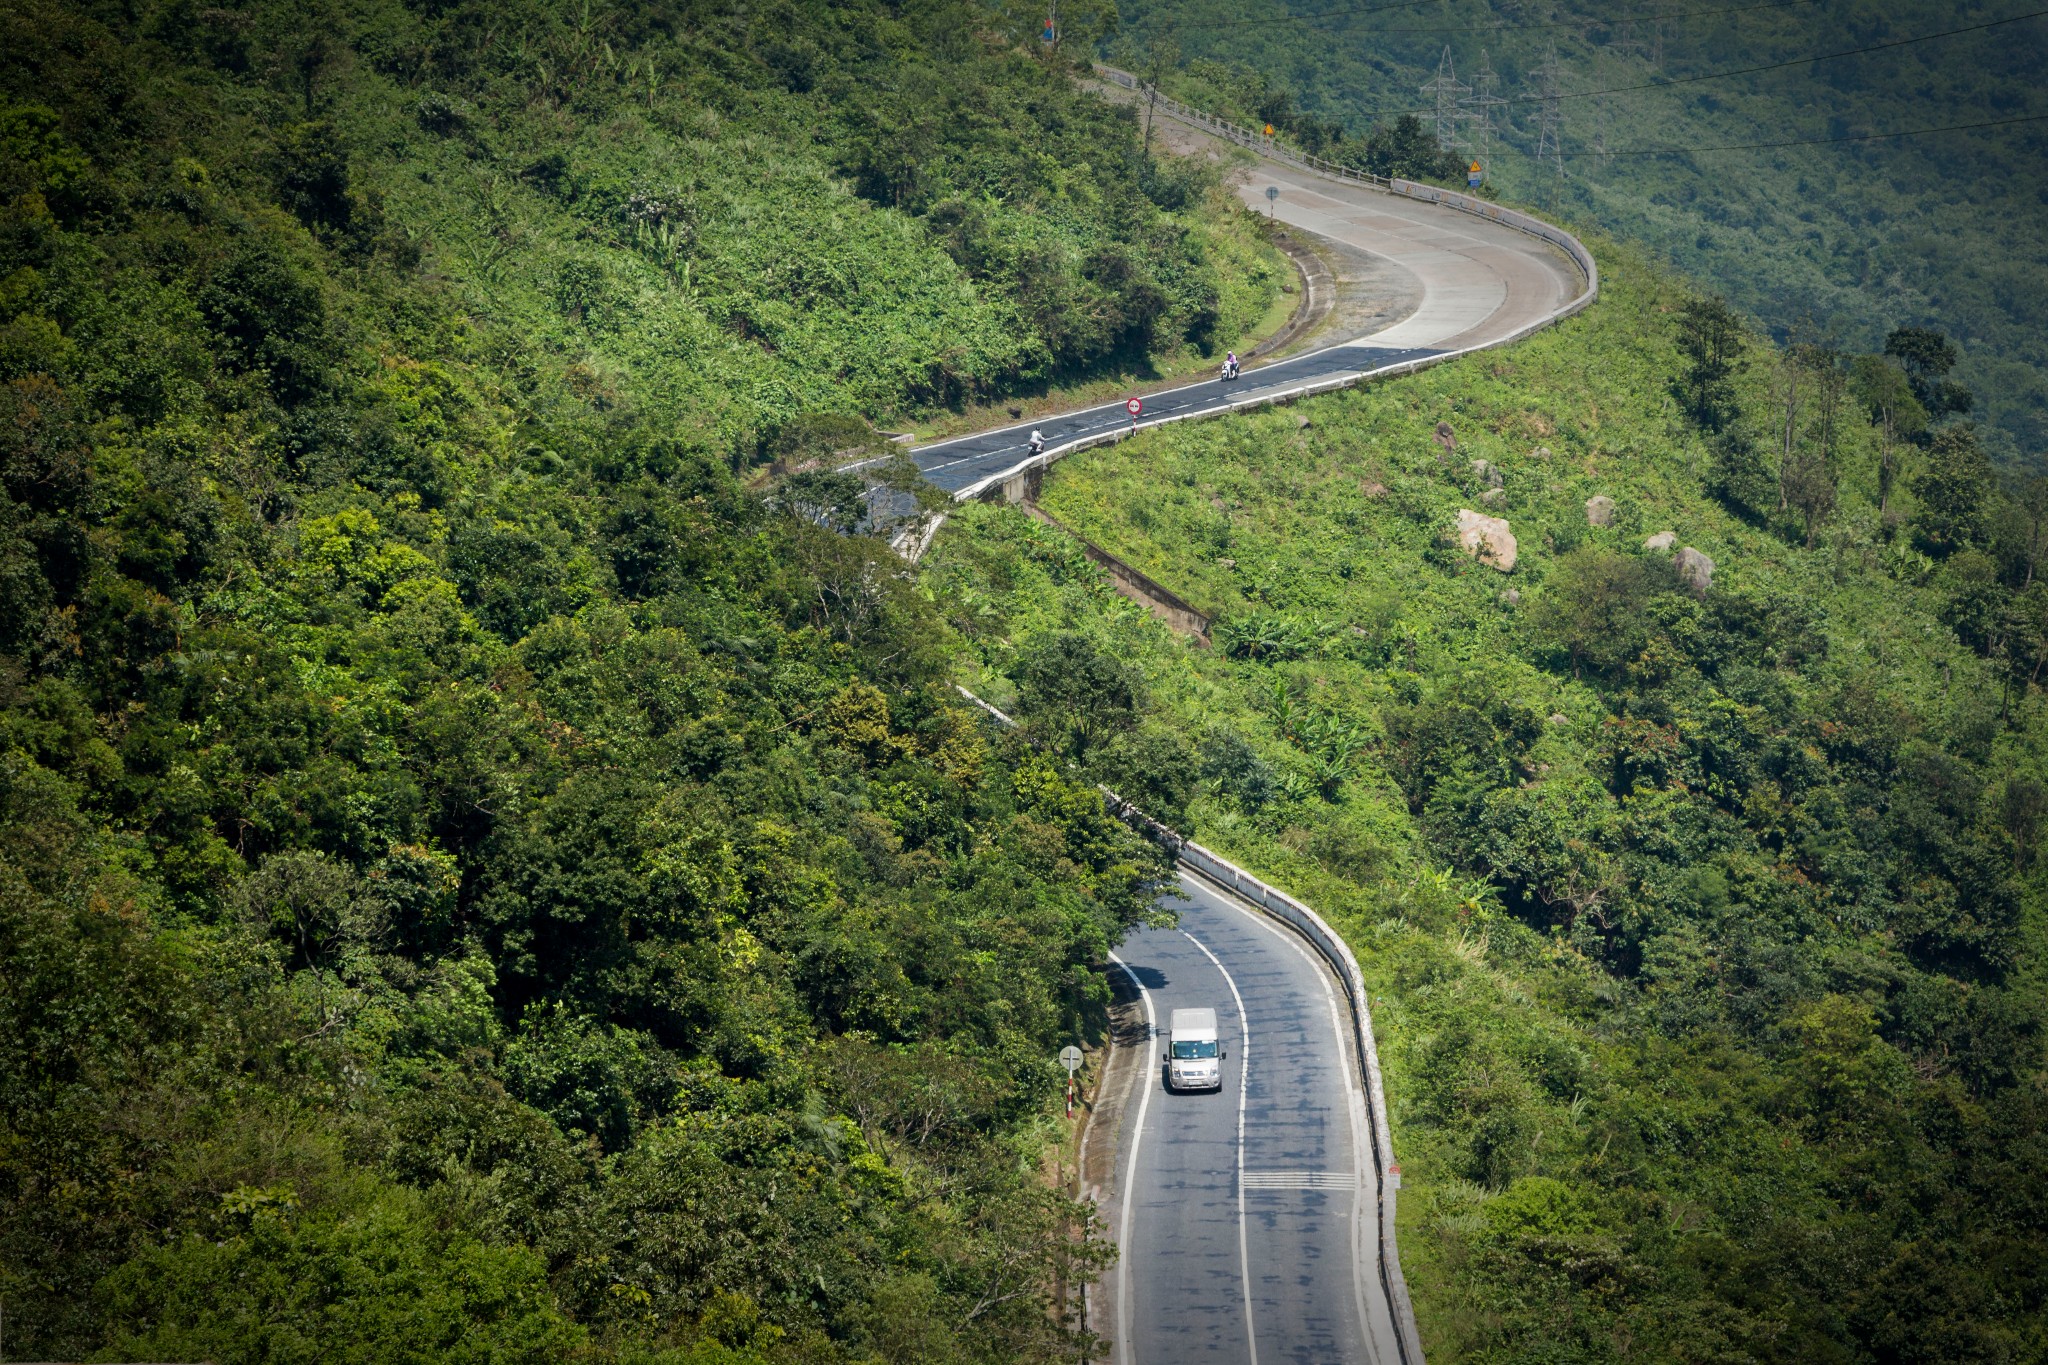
<point x="1272" y="1234"/>
<point x="1486" y="276"/>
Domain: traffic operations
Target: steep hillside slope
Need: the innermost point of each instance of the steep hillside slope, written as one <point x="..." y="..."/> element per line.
<point x="475" y="883"/>
<point x="1853" y="237"/>
<point x="1706" y="927"/>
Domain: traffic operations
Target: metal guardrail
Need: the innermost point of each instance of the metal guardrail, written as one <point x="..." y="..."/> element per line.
<point x="1407" y="189"/>
<point x="1325" y="940"/>
<point x="1212" y="866"/>
<point x="1572" y="247"/>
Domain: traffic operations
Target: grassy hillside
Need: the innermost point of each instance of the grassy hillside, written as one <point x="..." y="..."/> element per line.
<point x="1706" y="930"/>
<point x="1854" y="238"/>
<point x="475" y="883"/>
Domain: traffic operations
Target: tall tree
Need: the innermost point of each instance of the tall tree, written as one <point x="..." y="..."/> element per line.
<point x="1808" y="483"/>
<point x="1710" y="337"/>
<point x="1927" y="356"/>
<point x="1954" y="491"/>
<point x="1075" y="696"/>
<point x="1883" y="388"/>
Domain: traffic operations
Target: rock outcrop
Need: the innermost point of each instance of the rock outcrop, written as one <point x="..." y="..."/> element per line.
<point x="1600" y="510"/>
<point x="1695" y="569"/>
<point x="1487" y="539"/>
<point x="1661" y="542"/>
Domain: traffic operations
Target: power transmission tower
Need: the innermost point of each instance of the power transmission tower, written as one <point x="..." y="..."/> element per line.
<point x="1627" y="40"/>
<point x="1550" y="110"/>
<point x="1449" y="93"/>
<point x="1482" y="105"/>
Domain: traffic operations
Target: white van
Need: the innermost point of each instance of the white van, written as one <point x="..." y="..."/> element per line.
<point x="1193" y="1059"/>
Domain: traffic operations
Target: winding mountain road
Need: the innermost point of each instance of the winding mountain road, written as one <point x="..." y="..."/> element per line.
<point x="1252" y="1224"/>
<point x="1477" y="283"/>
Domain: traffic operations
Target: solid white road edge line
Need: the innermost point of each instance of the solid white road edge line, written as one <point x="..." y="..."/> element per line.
<point x="1123" y="1235"/>
<point x="1244" y="1079"/>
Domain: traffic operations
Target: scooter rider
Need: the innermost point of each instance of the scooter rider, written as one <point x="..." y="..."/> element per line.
<point x="1037" y="442"/>
<point x="1230" y="365"/>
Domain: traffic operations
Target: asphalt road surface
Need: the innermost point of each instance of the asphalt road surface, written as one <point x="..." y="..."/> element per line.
<point x="1246" y="1217"/>
<point x="967" y="460"/>
<point x="1478" y="282"/>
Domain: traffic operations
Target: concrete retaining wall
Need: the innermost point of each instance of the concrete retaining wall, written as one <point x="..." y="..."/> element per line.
<point x="1163" y="603"/>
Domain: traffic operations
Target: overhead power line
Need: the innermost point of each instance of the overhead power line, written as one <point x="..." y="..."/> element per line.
<point x="1808" y="61"/>
<point x="1671" y="17"/>
<point x="1749" y="70"/>
<point x="1823" y="141"/>
<point x="1183" y="25"/>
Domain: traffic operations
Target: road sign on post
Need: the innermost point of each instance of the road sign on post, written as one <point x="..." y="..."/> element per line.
<point x="1472" y="176"/>
<point x="1269" y="130"/>
<point x="1070" y="1056"/>
<point x="1272" y="194"/>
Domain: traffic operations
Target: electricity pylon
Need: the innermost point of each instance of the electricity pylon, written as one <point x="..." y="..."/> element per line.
<point x="1550" y="110"/>
<point x="1627" y="40"/>
<point x="1481" y="105"/>
<point x="1450" y="93"/>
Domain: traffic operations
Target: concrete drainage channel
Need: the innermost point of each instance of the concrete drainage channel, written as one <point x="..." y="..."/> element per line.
<point x="1331" y="947"/>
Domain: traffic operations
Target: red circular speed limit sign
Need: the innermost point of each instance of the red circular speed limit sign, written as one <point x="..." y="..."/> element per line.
<point x="1134" y="407"/>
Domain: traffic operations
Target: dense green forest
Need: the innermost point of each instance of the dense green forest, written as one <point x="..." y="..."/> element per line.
<point x="476" y="882"/>
<point x="1705" y="916"/>
<point x="1846" y="240"/>
<point x="488" y="875"/>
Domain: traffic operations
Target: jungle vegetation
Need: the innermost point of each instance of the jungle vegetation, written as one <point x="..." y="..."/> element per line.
<point x="1705" y="922"/>
<point x="481" y="879"/>
<point x="477" y="882"/>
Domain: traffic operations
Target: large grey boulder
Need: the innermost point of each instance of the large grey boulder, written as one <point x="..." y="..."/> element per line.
<point x="1695" y="569"/>
<point x="1489" y="473"/>
<point x="1487" y="539"/>
<point x="1599" y="510"/>
<point x="1661" y="542"/>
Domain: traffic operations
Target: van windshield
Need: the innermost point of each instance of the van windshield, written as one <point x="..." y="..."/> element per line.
<point x="1189" y="1052"/>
